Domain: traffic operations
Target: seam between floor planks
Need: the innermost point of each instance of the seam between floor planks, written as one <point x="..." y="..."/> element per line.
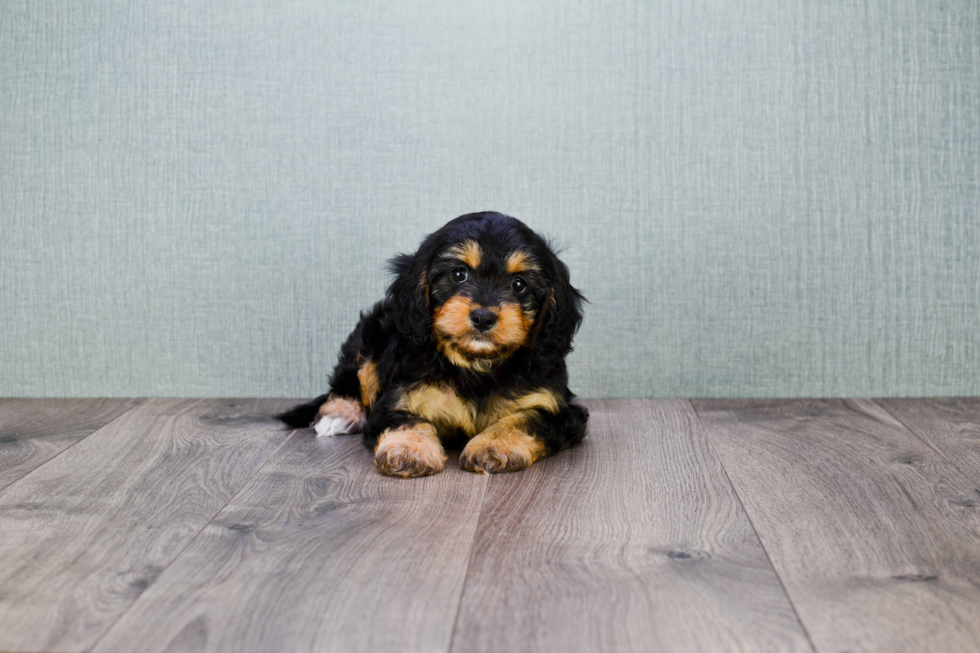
<point x="485" y="509"/>
<point x="210" y="521"/>
<point x="755" y="530"/>
<point x="342" y="549"/>
<point x="631" y="541"/>
<point x="857" y="515"/>
<point x="914" y="431"/>
<point x="137" y="402"/>
<point x="469" y="565"/>
<point x="888" y="405"/>
<point x="113" y="508"/>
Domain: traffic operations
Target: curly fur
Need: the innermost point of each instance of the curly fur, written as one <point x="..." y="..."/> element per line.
<point x="481" y="380"/>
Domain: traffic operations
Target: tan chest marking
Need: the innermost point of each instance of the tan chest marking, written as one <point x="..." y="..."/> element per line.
<point x="439" y="404"/>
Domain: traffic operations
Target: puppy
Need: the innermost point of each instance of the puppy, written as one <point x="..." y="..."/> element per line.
<point x="467" y="350"/>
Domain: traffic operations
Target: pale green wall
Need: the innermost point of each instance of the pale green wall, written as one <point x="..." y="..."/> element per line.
<point x="760" y="198"/>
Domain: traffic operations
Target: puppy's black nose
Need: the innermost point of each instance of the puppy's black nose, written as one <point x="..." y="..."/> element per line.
<point x="482" y="318"/>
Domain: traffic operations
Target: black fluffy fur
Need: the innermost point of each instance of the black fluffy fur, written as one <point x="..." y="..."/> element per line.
<point x="397" y="334"/>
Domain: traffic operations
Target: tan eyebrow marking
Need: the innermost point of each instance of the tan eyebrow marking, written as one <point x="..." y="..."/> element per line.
<point x="468" y="252"/>
<point x="519" y="261"/>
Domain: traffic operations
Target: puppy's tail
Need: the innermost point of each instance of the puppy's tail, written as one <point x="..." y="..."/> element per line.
<point x="574" y="423"/>
<point x="303" y="415"/>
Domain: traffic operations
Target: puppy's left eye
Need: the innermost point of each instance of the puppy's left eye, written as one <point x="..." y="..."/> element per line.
<point x="459" y="275"/>
<point x="519" y="285"/>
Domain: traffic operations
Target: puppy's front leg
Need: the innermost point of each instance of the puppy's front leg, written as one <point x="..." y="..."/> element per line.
<point x="412" y="449"/>
<point x="507" y="445"/>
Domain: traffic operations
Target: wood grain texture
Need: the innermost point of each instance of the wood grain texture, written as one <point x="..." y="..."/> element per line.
<point x="319" y="553"/>
<point x="85" y="534"/>
<point x="633" y="541"/>
<point x="864" y="523"/>
<point x="950" y="426"/>
<point x="33" y="431"/>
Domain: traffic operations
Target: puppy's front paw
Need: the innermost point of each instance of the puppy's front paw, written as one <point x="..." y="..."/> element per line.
<point x="339" y="416"/>
<point x="500" y="452"/>
<point x="410" y="451"/>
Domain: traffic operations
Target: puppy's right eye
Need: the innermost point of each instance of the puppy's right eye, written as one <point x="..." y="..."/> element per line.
<point x="459" y="275"/>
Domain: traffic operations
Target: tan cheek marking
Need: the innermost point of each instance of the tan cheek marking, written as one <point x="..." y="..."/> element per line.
<point x="504" y="447"/>
<point x="453" y="317"/>
<point x="410" y="451"/>
<point x="530" y="319"/>
<point x="439" y="405"/>
<point x="367" y="376"/>
<point x="512" y="326"/>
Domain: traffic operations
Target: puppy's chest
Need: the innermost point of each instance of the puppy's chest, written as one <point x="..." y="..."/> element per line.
<point x="440" y="404"/>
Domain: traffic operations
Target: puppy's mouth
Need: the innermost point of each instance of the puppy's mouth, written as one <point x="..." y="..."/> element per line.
<point x="487" y="346"/>
<point x="481" y="345"/>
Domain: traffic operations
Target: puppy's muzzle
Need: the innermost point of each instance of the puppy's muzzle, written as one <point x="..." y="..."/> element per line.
<point x="482" y="319"/>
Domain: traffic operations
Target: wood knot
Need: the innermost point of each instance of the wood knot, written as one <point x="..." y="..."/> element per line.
<point x="909" y="459"/>
<point x="235" y="420"/>
<point x="327" y="507"/>
<point x="684" y="555"/>
<point x="149" y="576"/>
<point x="916" y="578"/>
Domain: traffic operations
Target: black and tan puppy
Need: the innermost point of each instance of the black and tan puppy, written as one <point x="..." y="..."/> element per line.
<point x="467" y="350"/>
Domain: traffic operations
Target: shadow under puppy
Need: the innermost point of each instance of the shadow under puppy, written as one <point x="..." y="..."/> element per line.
<point x="467" y="349"/>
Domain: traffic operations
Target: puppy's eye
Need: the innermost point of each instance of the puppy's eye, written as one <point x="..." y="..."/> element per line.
<point x="459" y="275"/>
<point x="519" y="286"/>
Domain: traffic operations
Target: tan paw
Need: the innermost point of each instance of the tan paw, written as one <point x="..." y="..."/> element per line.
<point x="410" y="451"/>
<point x="500" y="452"/>
<point x="339" y="416"/>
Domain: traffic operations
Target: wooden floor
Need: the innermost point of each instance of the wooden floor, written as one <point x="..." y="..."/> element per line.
<point x="203" y="525"/>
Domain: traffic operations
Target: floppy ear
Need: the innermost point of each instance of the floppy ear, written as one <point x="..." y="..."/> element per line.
<point x="409" y="295"/>
<point x="561" y="314"/>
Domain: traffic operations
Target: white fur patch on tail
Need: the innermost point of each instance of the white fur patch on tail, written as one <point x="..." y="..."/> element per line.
<point x="333" y="426"/>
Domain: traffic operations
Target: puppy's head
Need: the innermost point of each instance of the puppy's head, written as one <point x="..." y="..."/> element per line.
<point x="481" y="288"/>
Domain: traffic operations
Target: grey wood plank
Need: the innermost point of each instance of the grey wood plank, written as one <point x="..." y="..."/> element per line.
<point x="84" y="535"/>
<point x="950" y="426"/>
<point x="318" y="553"/>
<point x="863" y="522"/>
<point x="633" y="541"/>
<point x="32" y="431"/>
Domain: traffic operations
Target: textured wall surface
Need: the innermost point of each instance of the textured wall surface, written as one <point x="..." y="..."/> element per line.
<point x="759" y="197"/>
